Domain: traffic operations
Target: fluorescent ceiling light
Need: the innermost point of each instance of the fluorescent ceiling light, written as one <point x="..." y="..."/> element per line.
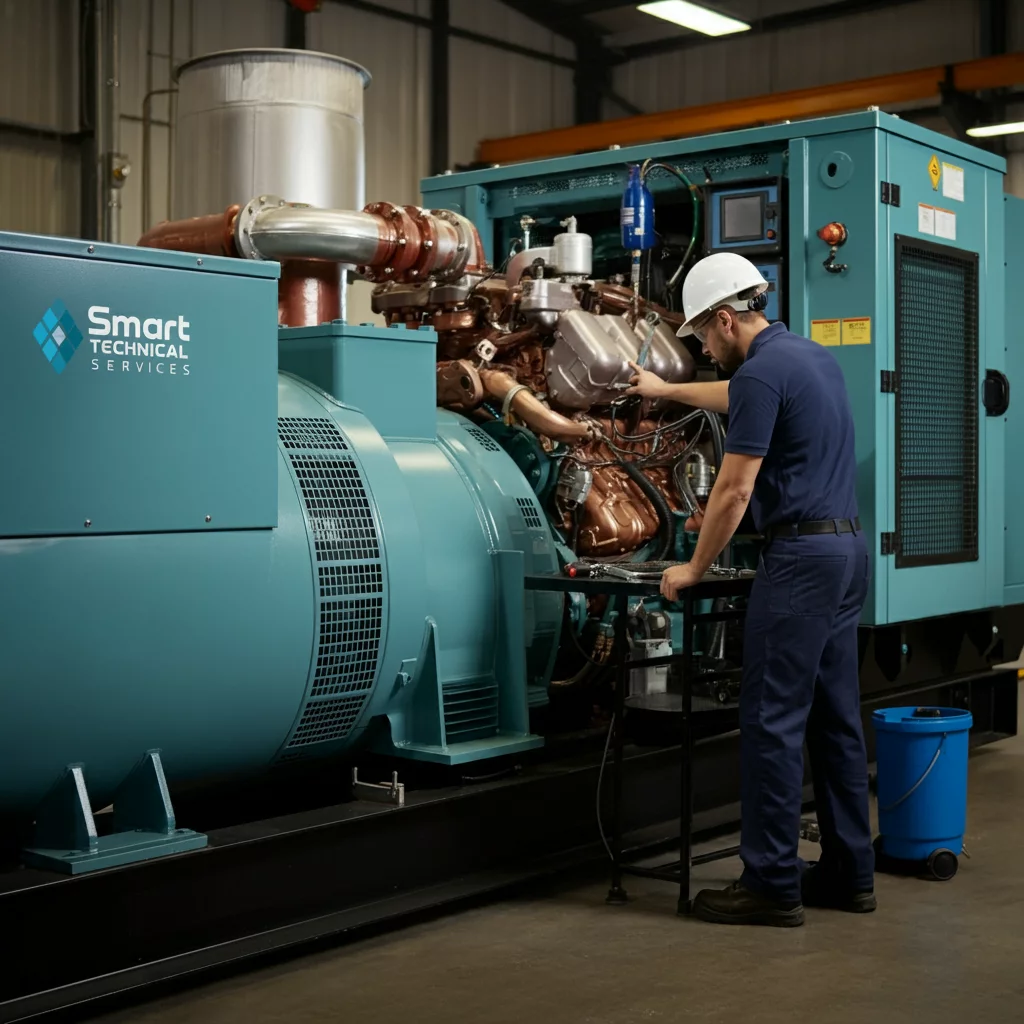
<point x="700" y="19"/>
<point x="986" y="131"/>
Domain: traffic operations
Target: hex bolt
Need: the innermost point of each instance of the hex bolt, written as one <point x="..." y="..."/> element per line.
<point x="92" y="248"/>
<point x="88" y="522"/>
<point x="199" y="263"/>
<point x="208" y="518"/>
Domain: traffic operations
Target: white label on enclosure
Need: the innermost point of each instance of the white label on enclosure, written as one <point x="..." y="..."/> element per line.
<point x="925" y="219"/>
<point x="945" y="224"/>
<point x="953" y="182"/>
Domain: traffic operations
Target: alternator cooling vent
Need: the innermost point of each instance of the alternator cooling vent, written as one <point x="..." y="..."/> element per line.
<point x="937" y="386"/>
<point x="307" y="432"/>
<point x="530" y="514"/>
<point x="327" y="720"/>
<point x="470" y="711"/>
<point x="350" y="599"/>
<point x="485" y="439"/>
<point x="337" y="507"/>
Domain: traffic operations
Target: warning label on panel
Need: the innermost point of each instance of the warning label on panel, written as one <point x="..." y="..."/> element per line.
<point x="953" y="182"/>
<point x="857" y="330"/>
<point x="934" y="171"/>
<point x="826" y="332"/>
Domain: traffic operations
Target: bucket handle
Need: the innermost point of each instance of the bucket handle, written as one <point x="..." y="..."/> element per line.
<point x="917" y="785"/>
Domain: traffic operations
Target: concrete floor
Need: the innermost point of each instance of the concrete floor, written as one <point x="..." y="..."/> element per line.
<point x="935" y="952"/>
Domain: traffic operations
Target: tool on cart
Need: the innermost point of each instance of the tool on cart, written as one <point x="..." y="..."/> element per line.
<point x="642" y="572"/>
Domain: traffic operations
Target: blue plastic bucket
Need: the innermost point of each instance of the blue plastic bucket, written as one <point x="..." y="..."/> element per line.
<point x="922" y="780"/>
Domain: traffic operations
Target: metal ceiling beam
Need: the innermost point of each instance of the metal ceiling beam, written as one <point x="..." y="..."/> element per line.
<point x="760" y="26"/>
<point x="907" y="87"/>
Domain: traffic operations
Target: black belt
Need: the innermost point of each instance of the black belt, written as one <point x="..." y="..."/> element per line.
<point x="835" y="526"/>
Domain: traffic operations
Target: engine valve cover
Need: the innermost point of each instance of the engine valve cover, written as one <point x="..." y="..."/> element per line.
<point x="589" y="360"/>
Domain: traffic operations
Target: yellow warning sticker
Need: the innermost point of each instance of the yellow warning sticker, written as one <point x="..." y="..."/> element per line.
<point x="857" y="330"/>
<point x="934" y="171"/>
<point x="826" y="332"/>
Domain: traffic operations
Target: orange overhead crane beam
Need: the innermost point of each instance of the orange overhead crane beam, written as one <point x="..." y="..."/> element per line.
<point x="987" y="73"/>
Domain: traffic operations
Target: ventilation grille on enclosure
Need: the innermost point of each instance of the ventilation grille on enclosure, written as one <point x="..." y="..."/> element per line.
<point x="350" y="604"/>
<point x="349" y="645"/>
<point x="485" y="439"/>
<point x="530" y="514"/>
<point x="307" y="432"/>
<point x="327" y="720"/>
<point x="936" y="404"/>
<point x="337" y="506"/>
<point x="470" y="711"/>
<point x="337" y="580"/>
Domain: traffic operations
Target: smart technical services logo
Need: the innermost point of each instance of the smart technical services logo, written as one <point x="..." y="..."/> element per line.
<point x="58" y="336"/>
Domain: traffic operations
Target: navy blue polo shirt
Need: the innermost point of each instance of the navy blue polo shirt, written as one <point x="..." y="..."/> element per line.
<point x="788" y="403"/>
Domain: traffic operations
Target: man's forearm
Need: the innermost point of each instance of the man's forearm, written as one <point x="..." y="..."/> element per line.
<point x="711" y="395"/>
<point x="722" y="517"/>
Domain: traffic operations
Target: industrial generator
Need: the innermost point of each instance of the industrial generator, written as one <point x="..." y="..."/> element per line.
<point x="249" y="546"/>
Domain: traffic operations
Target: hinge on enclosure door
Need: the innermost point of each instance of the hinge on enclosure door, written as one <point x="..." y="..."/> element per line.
<point x="890" y="193"/>
<point x="888" y="543"/>
<point x="888" y="382"/>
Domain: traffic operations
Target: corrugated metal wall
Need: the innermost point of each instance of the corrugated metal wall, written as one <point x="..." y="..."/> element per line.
<point x="492" y="87"/>
<point x="493" y="91"/>
<point x="886" y="41"/>
<point x="39" y="179"/>
<point x="199" y="26"/>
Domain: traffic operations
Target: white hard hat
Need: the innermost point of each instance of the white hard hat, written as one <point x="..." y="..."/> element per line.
<point x="722" y="279"/>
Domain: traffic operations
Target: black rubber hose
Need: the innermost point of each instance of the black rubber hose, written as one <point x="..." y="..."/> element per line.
<point x="666" y="528"/>
<point x="718" y="447"/>
<point x="717" y="438"/>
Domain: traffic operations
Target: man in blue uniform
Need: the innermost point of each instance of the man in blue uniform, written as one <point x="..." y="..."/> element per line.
<point x="790" y="456"/>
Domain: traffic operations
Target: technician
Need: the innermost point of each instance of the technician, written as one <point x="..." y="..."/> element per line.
<point x="790" y="456"/>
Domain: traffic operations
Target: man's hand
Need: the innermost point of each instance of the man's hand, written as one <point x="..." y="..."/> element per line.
<point x="677" y="578"/>
<point x="647" y="384"/>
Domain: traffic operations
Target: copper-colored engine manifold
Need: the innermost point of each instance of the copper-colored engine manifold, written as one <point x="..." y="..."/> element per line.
<point x="412" y="245"/>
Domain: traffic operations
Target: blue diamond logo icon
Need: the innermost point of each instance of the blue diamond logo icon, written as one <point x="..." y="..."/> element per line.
<point x="57" y="336"/>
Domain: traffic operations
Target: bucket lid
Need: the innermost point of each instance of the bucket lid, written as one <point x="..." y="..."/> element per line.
<point x="922" y="719"/>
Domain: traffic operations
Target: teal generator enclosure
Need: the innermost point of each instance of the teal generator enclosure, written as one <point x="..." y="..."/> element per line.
<point x="236" y="550"/>
<point x="913" y="301"/>
<point x="228" y="546"/>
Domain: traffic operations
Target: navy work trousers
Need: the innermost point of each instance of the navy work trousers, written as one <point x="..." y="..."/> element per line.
<point x="800" y="680"/>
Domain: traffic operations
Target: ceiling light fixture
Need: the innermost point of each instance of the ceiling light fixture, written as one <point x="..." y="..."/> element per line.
<point x="986" y="131"/>
<point x="693" y="16"/>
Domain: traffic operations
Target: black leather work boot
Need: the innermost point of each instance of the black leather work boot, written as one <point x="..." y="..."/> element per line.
<point x="818" y="889"/>
<point x="738" y="905"/>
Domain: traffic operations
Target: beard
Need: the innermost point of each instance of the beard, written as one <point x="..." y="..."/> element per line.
<point x="729" y="358"/>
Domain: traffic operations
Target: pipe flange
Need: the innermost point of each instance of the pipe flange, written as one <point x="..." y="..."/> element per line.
<point x="246" y="220"/>
<point x="463" y="248"/>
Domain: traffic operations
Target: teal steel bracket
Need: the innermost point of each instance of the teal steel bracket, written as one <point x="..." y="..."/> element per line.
<point x="422" y="729"/>
<point x="65" y="838"/>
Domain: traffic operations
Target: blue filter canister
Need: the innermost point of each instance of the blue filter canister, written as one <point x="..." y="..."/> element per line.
<point x="637" y="214"/>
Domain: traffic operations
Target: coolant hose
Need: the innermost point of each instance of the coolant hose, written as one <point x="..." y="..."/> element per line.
<point x="666" y="531"/>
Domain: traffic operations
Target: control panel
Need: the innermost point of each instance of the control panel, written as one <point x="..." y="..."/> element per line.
<point x="744" y="220"/>
<point x="772" y="273"/>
